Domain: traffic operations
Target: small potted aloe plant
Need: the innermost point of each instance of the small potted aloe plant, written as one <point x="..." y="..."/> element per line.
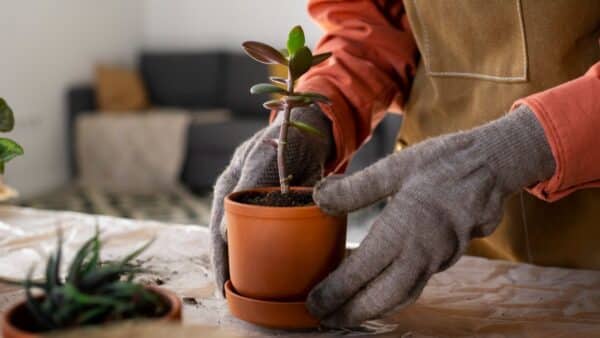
<point x="93" y="293"/>
<point x="9" y="149"/>
<point x="280" y="243"/>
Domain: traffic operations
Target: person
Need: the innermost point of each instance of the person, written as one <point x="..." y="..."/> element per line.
<point x="497" y="97"/>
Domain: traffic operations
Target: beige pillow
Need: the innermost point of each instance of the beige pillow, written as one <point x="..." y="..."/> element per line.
<point x="119" y="89"/>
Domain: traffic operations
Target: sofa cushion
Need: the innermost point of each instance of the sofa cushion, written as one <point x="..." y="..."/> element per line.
<point x="120" y="89"/>
<point x="183" y="79"/>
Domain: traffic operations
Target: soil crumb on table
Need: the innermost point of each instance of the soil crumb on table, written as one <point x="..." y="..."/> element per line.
<point x="277" y="199"/>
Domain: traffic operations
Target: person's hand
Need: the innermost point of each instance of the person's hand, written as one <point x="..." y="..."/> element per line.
<point x="443" y="192"/>
<point x="254" y="164"/>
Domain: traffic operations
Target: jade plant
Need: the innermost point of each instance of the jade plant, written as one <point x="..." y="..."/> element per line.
<point x="297" y="58"/>
<point x="9" y="149"/>
<point x="93" y="291"/>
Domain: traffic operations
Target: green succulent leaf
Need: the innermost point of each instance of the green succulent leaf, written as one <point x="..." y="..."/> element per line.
<point x="75" y="269"/>
<point x="53" y="266"/>
<point x="267" y="88"/>
<point x="137" y="252"/>
<point x="34" y="307"/>
<point x="264" y="53"/>
<point x="315" y="97"/>
<point x="274" y="105"/>
<point x="306" y="128"/>
<point x="94" y="259"/>
<point x="92" y="315"/>
<point x="7" y="118"/>
<point x="278" y="80"/>
<point x="9" y="149"/>
<point x="318" y="58"/>
<point x="87" y="299"/>
<point x="300" y="62"/>
<point x="295" y="40"/>
<point x="296" y="101"/>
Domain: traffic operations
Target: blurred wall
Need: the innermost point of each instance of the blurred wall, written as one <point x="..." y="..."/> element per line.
<point x="208" y="24"/>
<point x="46" y="46"/>
<point x="50" y="45"/>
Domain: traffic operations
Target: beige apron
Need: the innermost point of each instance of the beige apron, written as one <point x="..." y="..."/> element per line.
<point x="477" y="58"/>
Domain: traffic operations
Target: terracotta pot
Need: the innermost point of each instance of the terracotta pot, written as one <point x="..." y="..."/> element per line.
<point x="280" y="253"/>
<point x="15" y="320"/>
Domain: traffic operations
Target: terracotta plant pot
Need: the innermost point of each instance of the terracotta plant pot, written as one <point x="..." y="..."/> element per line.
<point x="15" y="320"/>
<point x="281" y="253"/>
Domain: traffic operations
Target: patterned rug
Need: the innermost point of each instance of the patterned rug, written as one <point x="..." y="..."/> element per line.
<point x="177" y="207"/>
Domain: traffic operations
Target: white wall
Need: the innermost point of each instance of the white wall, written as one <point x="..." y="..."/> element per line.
<point x="50" y="45"/>
<point x="47" y="46"/>
<point x="209" y="24"/>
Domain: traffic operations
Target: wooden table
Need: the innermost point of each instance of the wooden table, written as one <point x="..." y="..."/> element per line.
<point x="476" y="297"/>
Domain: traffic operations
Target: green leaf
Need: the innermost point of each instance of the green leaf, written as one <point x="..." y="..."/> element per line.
<point x="7" y="119"/>
<point x="267" y="88"/>
<point x="274" y="105"/>
<point x="295" y="40"/>
<point x="137" y="252"/>
<point x="92" y="315"/>
<point x="264" y="53"/>
<point x="278" y="80"/>
<point x="306" y="128"/>
<point x="9" y="149"/>
<point x="318" y="58"/>
<point x="53" y="265"/>
<point x="300" y="62"/>
<point x="314" y="97"/>
<point x="42" y="319"/>
<point x="296" y="101"/>
<point x="77" y="262"/>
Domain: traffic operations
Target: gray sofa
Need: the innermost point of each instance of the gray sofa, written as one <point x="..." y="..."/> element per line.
<point x="203" y="80"/>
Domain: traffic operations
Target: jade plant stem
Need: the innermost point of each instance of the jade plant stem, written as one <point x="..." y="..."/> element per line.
<point x="284" y="179"/>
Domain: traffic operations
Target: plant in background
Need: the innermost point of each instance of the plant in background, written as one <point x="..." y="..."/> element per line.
<point x="93" y="292"/>
<point x="298" y="59"/>
<point x="9" y="149"/>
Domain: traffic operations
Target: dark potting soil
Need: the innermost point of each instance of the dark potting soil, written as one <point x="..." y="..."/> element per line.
<point x="277" y="199"/>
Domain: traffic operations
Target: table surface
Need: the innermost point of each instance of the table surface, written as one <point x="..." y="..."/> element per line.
<point x="476" y="297"/>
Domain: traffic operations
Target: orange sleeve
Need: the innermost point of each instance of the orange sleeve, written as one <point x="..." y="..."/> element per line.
<point x="373" y="63"/>
<point x="570" y="116"/>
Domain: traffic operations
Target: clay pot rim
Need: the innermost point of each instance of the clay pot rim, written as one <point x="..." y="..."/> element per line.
<point x="259" y="211"/>
<point x="174" y="314"/>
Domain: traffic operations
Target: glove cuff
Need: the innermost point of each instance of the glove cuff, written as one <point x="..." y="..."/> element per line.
<point x="517" y="149"/>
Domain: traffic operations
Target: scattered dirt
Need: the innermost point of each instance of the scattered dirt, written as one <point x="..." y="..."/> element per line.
<point x="189" y="301"/>
<point x="277" y="199"/>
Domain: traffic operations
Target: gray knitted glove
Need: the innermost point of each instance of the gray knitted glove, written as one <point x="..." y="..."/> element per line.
<point x="444" y="192"/>
<point x="254" y="164"/>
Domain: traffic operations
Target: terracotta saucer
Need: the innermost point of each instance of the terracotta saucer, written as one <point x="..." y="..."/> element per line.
<point x="280" y="315"/>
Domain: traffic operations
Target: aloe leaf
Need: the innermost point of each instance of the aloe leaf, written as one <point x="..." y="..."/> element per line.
<point x="76" y="264"/>
<point x="267" y="88"/>
<point x="264" y="53"/>
<point x="95" y="257"/>
<point x="300" y="62"/>
<point x="274" y="105"/>
<point x="137" y="252"/>
<point x="53" y="266"/>
<point x="318" y="58"/>
<point x="7" y="118"/>
<point x="295" y="40"/>
<point x="86" y="299"/>
<point x="92" y="315"/>
<point x="34" y="307"/>
<point x="306" y="128"/>
<point x="50" y="278"/>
